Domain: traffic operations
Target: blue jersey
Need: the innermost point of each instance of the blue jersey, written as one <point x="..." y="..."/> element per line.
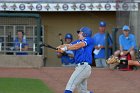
<point x="84" y="54"/>
<point x="127" y="42"/>
<point x="65" y="59"/>
<point x="99" y="39"/>
<point x="17" y="44"/>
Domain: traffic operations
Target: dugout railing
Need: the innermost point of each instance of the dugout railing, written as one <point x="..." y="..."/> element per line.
<point x="29" y="23"/>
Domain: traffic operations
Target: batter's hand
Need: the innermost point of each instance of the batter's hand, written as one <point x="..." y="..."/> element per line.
<point x="59" y="50"/>
<point x="60" y="46"/>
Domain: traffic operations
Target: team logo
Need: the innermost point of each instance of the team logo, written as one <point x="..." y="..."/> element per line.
<point x="99" y="6"/>
<point x="21" y="6"/>
<point x="125" y="6"/>
<point x="57" y="7"/>
<point x="13" y="6"/>
<point x="134" y="6"/>
<point x="38" y="6"/>
<point x="4" y="6"/>
<point x="91" y="6"/>
<point x="31" y="7"/>
<point x="107" y="6"/>
<point x="82" y="6"/>
<point x="117" y="6"/>
<point x="74" y="6"/>
<point x="65" y="6"/>
<point x="47" y="7"/>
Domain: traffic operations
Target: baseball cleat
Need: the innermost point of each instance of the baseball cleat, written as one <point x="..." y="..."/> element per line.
<point x="91" y="91"/>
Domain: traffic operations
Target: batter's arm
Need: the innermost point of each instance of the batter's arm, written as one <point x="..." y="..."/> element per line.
<point x="76" y="46"/>
<point x="63" y="48"/>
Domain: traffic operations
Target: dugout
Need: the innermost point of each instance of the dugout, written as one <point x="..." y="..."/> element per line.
<point x="30" y="25"/>
<point x="58" y="20"/>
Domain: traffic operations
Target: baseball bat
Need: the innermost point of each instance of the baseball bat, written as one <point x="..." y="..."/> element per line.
<point x="48" y="46"/>
<point x="51" y="47"/>
<point x="60" y="38"/>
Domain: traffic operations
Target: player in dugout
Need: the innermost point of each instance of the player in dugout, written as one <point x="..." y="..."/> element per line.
<point x="67" y="58"/>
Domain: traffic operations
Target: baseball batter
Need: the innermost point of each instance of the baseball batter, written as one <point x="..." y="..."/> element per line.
<point x="83" y="57"/>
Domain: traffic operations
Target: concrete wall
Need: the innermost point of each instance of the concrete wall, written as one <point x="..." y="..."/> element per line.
<point x="135" y="23"/>
<point x="28" y="61"/>
<point x="70" y="22"/>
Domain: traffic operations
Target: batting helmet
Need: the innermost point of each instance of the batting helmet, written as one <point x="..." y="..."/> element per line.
<point x="68" y="36"/>
<point x="87" y="32"/>
<point x="102" y="24"/>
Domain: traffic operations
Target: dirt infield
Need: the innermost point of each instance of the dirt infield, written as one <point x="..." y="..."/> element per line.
<point x="101" y="80"/>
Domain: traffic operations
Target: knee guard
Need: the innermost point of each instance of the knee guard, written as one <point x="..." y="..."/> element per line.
<point x="68" y="91"/>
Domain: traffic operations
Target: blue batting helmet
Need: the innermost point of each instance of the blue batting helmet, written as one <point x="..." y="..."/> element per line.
<point x="87" y="32"/>
<point x="68" y="36"/>
<point x="102" y="24"/>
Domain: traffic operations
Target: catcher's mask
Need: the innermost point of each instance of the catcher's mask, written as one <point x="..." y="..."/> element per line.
<point x="123" y="64"/>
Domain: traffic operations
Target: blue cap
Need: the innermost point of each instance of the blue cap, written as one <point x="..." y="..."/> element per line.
<point x="126" y="28"/>
<point x="68" y="36"/>
<point x="87" y="32"/>
<point x="102" y="24"/>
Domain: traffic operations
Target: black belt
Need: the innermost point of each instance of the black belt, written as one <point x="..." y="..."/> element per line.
<point x="83" y="63"/>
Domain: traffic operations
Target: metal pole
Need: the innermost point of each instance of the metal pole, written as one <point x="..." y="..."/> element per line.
<point x="106" y="45"/>
<point x="114" y="30"/>
<point x="38" y="34"/>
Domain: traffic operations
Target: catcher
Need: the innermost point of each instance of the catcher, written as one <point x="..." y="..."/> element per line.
<point x="122" y="62"/>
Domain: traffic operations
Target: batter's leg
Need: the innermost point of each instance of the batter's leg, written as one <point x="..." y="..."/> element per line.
<point x="80" y="73"/>
<point x="82" y="87"/>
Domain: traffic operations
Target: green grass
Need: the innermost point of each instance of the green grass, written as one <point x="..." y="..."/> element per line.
<point x="22" y="85"/>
